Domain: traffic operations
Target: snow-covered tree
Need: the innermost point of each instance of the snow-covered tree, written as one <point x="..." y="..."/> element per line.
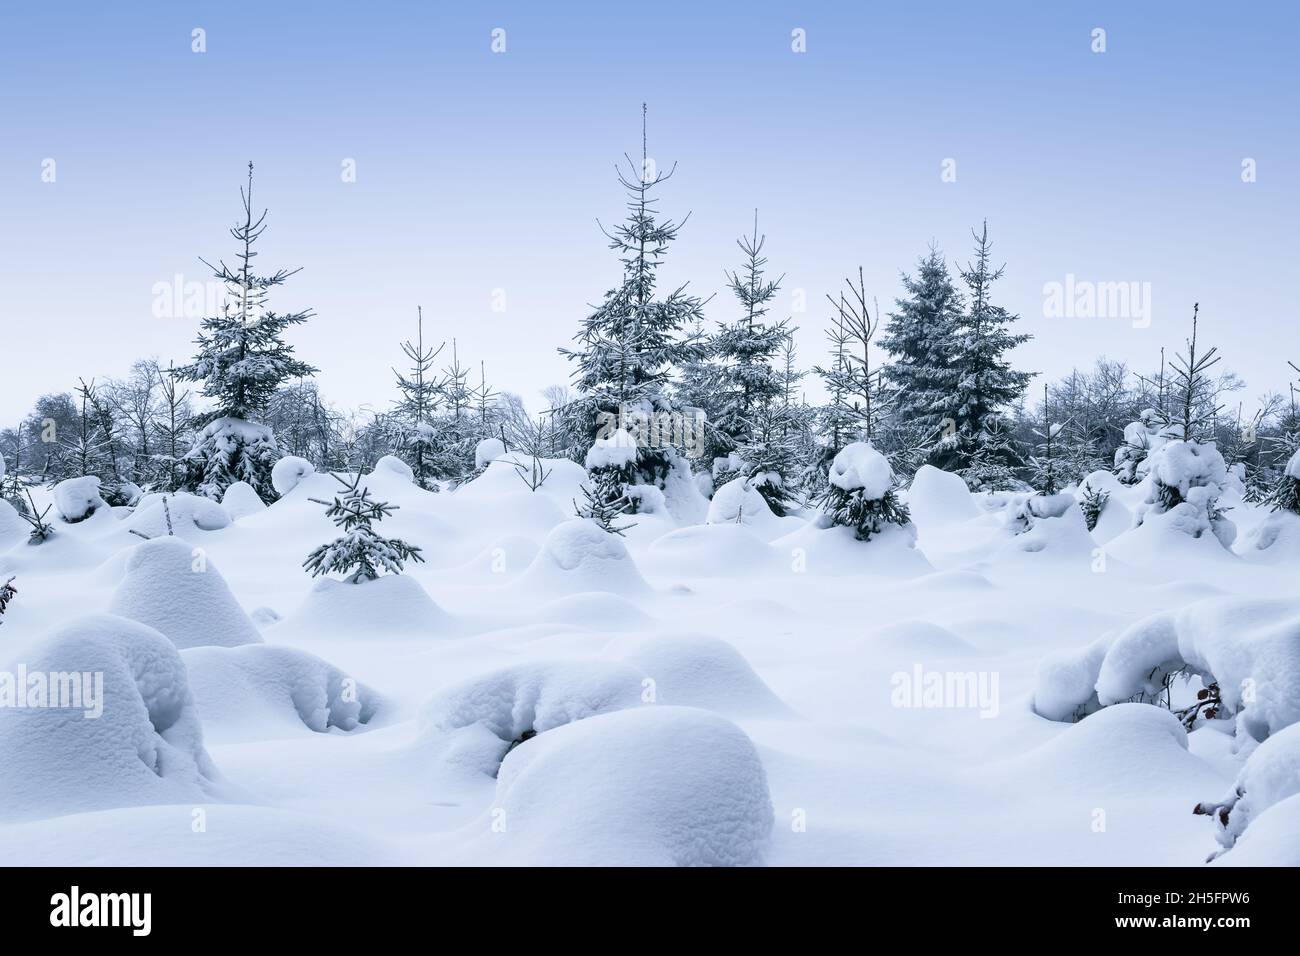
<point x="242" y="360"/>
<point x="360" y="553"/>
<point x="982" y="382"/>
<point x="611" y="465"/>
<point x="919" y="337"/>
<point x="1045" y="464"/>
<point x="751" y="402"/>
<point x="860" y="492"/>
<point x="627" y="348"/>
<point x="413" y="418"/>
<point x="7" y="593"/>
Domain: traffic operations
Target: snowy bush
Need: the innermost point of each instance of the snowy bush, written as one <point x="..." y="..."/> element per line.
<point x="176" y="513"/>
<point x="578" y="556"/>
<point x="227" y="450"/>
<point x="860" y="493"/>
<point x="78" y="498"/>
<point x="487" y="451"/>
<point x="1141" y="439"/>
<point x="1023" y="511"/>
<point x="392" y="465"/>
<point x="1182" y="488"/>
<point x="240" y="500"/>
<point x="739" y="502"/>
<point x="288" y="471"/>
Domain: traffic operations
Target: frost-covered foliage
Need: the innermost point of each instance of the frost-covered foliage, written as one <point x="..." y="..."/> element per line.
<point x="1141" y="438"/>
<point x="1024" y="511"/>
<point x="1092" y="501"/>
<point x="1182" y="488"/>
<point x="1285" y="495"/>
<point x="860" y="492"/>
<point x="360" y="553"/>
<point x="227" y="450"/>
<point x="611" y="467"/>
<point x="7" y="593"/>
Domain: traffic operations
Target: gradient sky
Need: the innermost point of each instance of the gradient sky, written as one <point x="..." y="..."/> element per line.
<point x="479" y="171"/>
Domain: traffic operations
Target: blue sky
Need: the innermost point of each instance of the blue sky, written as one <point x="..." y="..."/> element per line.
<point x="478" y="171"/>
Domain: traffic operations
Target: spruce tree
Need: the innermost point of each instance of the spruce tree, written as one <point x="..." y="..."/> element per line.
<point x="360" y="552"/>
<point x="413" y="418"/>
<point x="920" y="337"/>
<point x="982" y="381"/>
<point x="242" y="360"/>
<point x="627" y="348"/>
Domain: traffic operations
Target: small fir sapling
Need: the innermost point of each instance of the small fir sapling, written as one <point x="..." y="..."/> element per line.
<point x="360" y="553"/>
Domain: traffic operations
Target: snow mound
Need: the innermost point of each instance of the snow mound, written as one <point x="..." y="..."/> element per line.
<point x="655" y="786"/>
<point x="1275" y="539"/>
<point x="145" y="745"/>
<point x="537" y="696"/>
<point x="1271" y="775"/>
<point x="259" y="691"/>
<point x="739" y="502"/>
<point x="12" y="527"/>
<point x="578" y="556"/>
<point x="240" y="500"/>
<point x="939" y="497"/>
<point x="288" y="471"/>
<point x="174" y="589"/>
<point x="859" y="466"/>
<point x="178" y="513"/>
<point x="616" y="451"/>
<point x="78" y="498"/>
<point x="915" y="640"/>
<point x="837" y="551"/>
<point x="1065" y="686"/>
<point x="699" y="671"/>
<point x="1250" y="648"/>
<point x="395" y="467"/>
<point x="1051" y="523"/>
<point x="487" y="451"/>
<point x="392" y="605"/>
<point x="721" y="550"/>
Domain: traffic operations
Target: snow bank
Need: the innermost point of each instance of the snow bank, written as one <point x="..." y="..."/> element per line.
<point x="258" y="691"/>
<point x="175" y="589"/>
<point x="1276" y="539"/>
<point x="721" y="550"/>
<point x="288" y="471"/>
<point x="939" y="497"/>
<point x="1051" y="523"/>
<point x="390" y="606"/>
<point x="859" y="466"/>
<point x="739" y="502"/>
<point x="144" y="746"/>
<point x="578" y="556"/>
<point x="78" y="498"/>
<point x="178" y="513"/>
<point x="240" y="500"/>
<point x="699" y="671"/>
<point x="655" y="786"/>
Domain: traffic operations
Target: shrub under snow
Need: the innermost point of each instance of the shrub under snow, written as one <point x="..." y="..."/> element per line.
<point x="1271" y="774"/>
<point x="78" y="498"/>
<point x="288" y="471"/>
<point x="1182" y="489"/>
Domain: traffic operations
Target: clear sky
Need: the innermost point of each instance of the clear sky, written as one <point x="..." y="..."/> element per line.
<point x="479" y="171"/>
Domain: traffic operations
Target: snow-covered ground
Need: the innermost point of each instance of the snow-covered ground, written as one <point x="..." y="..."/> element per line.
<point x="755" y="690"/>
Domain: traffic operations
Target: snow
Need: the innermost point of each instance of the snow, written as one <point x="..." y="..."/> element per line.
<point x="939" y="497"/>
<point x="738" y="502"/>
<point x="241" y="500"/>
<point x="393" y="466"/>
<point x="1292" y="466"/>
<point x="145" y="747"/>
<point x="693" y="688"/>
<point x="654" y="786"/>
<point x="616" y="451"/>
<point x="858" y="465"/>
<point x="487" y="451"/>
<point x="288" y="472"/>
<point x="78" y="498"/>
<point x="174" y="589"/>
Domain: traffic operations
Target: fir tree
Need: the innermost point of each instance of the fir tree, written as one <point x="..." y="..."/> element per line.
<point x="919" y="336"/>
<point x="360" y="553"/>
<point x="242" y="360"/>
<point x="628" y="346"/>
<point x="415" y="412"/>
<point x="983" y="383"/>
